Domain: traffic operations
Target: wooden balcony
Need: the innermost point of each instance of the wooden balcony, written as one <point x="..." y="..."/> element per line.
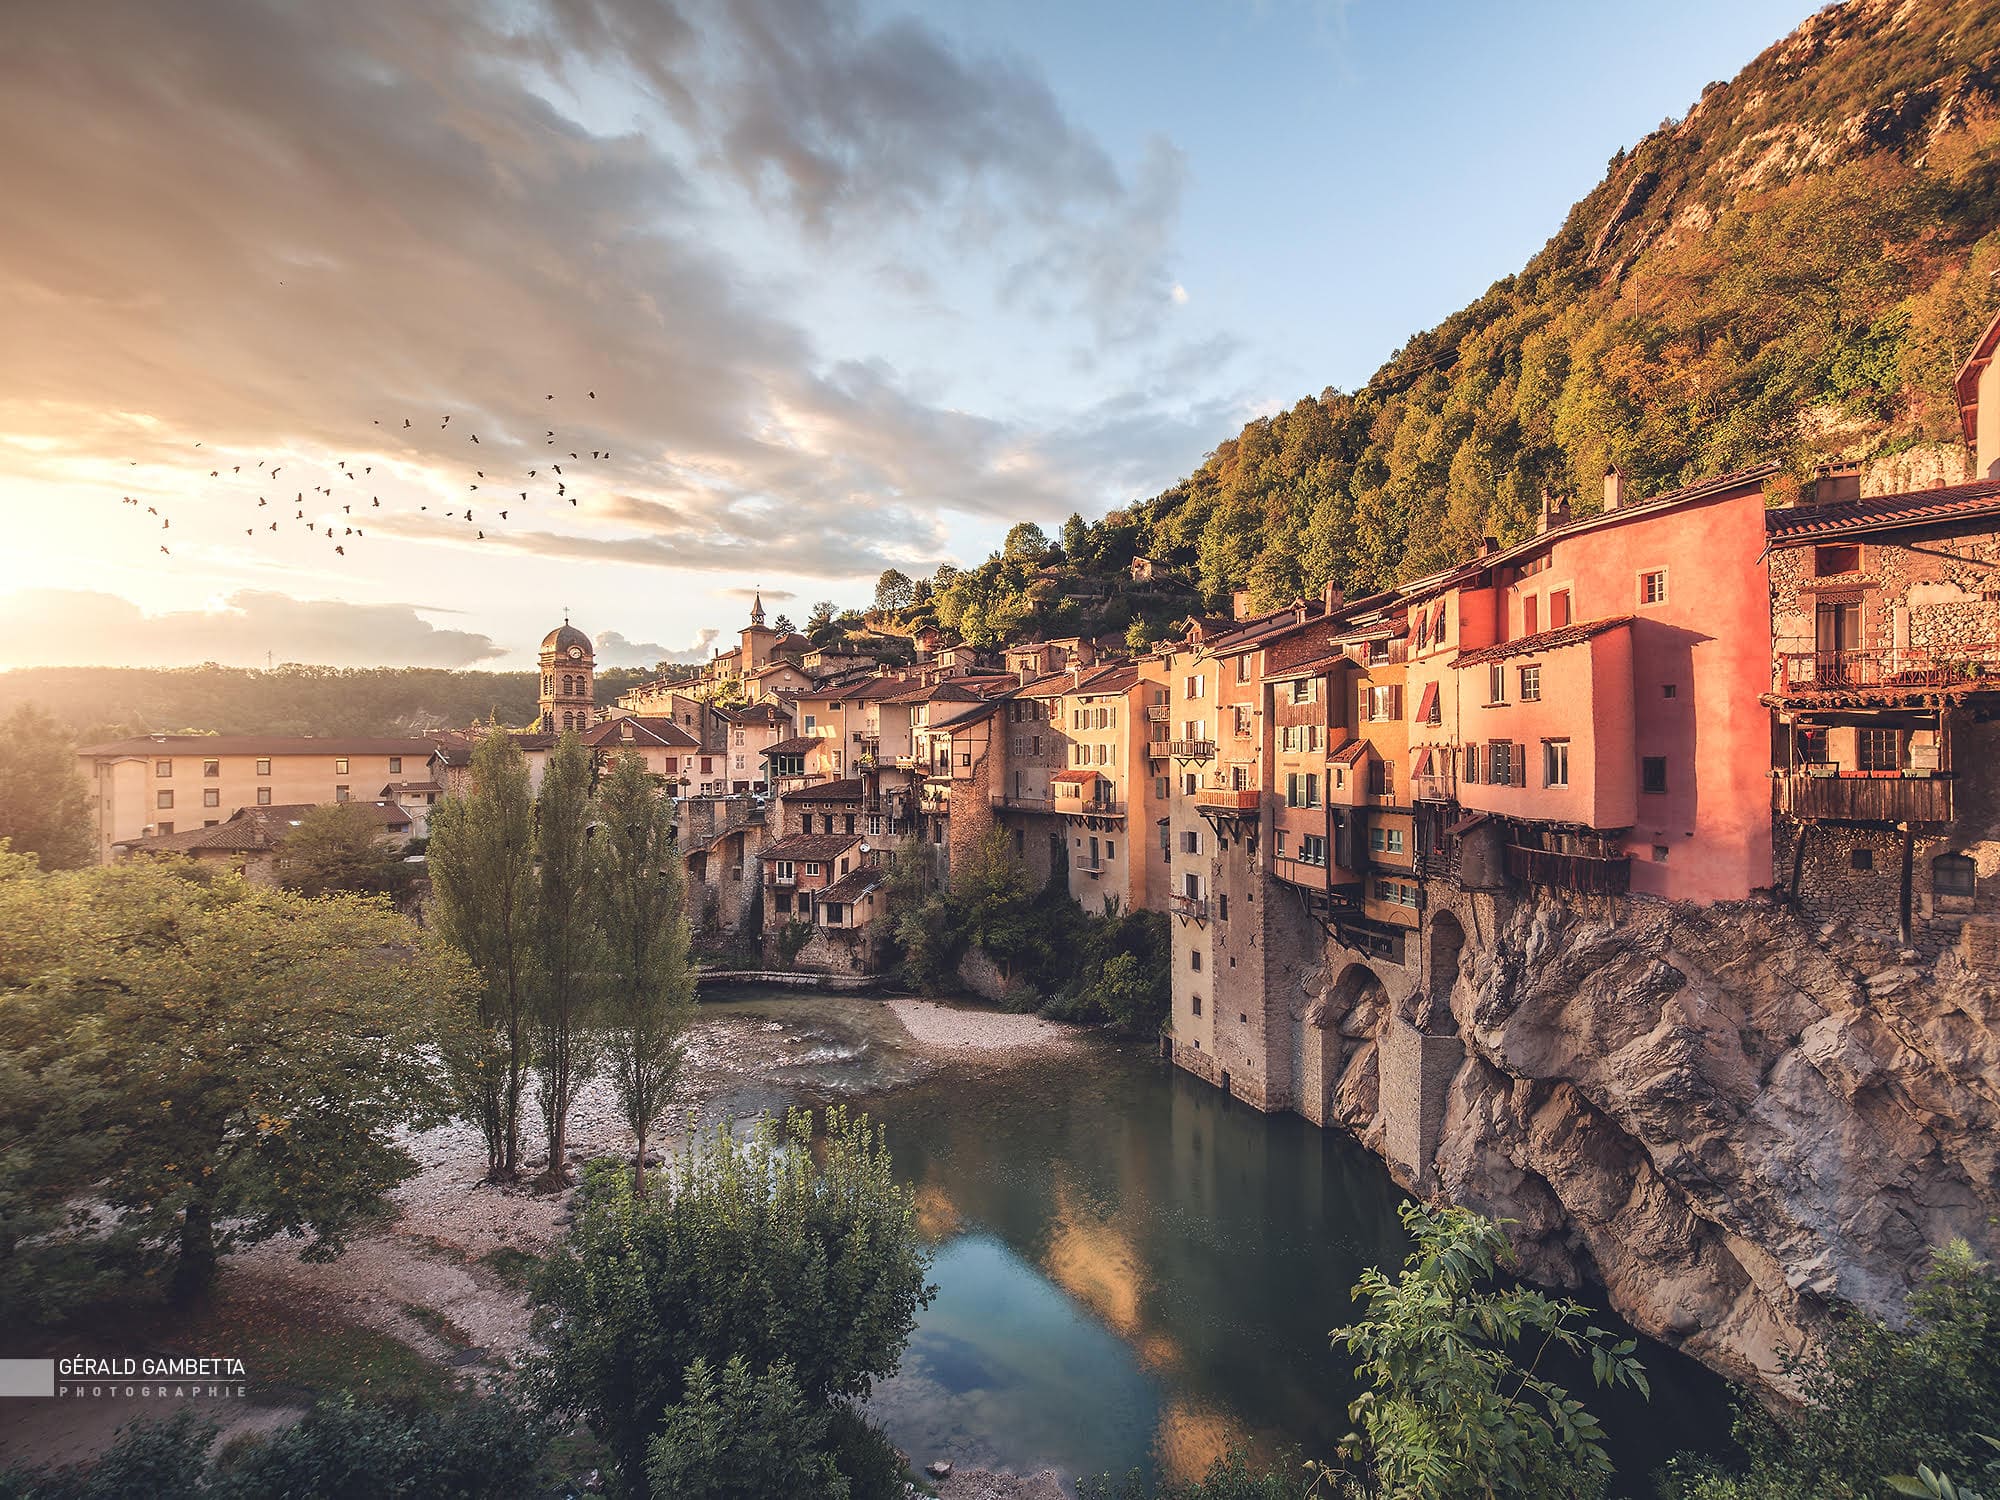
<point x="1229" y="801"/>
<point x="1194" y="749"/>
<point x="1860" y="797"/>
<point x="1592" y="874"/>
<point x="1021" y="802"/>
<point x="1156" y="713"/>
<point x="1156" y="749"/>
<point x="1433" y="788"/>
<point x="1195" y="908"/>
<point x="1887" y="671"/>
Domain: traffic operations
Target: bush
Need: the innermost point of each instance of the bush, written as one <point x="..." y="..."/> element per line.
<point x="1878" y="1401"/>
<point x="739" y="1436"/>
<point x="487" y="1449"/>
<point x="776" y="1248"/>
<point x="1232" y="1477"/>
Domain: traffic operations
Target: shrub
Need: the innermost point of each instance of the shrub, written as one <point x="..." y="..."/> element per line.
<point x="739" y="1436"/>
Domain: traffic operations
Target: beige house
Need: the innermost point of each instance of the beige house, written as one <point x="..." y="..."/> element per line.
<point x="247" y="841"/>
<point x="159" y="784"/>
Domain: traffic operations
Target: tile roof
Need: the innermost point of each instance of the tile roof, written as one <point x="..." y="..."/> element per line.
<point x="1547" y="640"/>
<point x="647" y="729"/>
<point x="255" y="830"/>
<point x="816" y="848"/>
<point x="1349" y="753"/>
<point x="1075" y="776"/>
<point x="1953" y="502"/>
<point x="797" y="745"/>
<point x="855" y="884"/>
<point x="210" y="745"/>
<point x="848" y="789"/>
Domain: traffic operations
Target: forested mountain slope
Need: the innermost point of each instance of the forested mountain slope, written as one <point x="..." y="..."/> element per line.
<point x="1791" y="273"/>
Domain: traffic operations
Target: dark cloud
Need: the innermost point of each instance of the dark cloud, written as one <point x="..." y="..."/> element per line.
<point x="76" y="627"/>
<point x="278" y="224"/>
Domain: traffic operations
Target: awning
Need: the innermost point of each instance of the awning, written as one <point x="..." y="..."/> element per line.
<point x="1427" y="703"/>
<point x="1074" y="776"/>
<point x="1423" y="765"/>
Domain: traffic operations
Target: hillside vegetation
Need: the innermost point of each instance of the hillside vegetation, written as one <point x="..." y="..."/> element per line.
<point x="1791" y="273"/>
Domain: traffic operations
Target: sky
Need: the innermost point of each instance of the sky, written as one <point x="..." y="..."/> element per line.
<point x="792" y="291"/>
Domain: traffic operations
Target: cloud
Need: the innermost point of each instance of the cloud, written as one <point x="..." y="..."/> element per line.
<point x="758" y="592"/>
<point x="78" y="627"/>
<point x="614" y="650"/>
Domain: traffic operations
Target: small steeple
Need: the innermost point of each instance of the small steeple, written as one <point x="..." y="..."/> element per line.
<point x="757" y="607"/>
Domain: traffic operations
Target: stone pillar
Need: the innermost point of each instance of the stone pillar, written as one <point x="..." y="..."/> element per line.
<point x="1416" y="1074"/>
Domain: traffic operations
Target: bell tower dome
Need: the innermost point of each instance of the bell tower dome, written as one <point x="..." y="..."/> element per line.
<point x="569" y="692"/>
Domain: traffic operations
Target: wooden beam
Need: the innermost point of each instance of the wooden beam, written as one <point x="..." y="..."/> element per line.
<point x="1909" y="865"/>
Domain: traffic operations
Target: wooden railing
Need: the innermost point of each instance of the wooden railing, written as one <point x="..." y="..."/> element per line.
<point x="1194" y="749"/>
<point x="1862" y="798"/>
<point x="1229" y="799"/>
<point x="1020" y="802"/>
<point x="1433" y="788"/>
<point x="1156" y="749"/>
<point x="1594" y="874"/>
<point x="1189" y="906"/>
<point x="1832" y="671"/>
<point x="1156" y="713"/>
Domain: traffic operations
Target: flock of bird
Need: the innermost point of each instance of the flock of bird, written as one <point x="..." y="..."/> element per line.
<point x="322" y="520"/>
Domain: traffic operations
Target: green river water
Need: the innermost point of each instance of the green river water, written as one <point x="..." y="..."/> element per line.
<point x="1131" y="1270"/>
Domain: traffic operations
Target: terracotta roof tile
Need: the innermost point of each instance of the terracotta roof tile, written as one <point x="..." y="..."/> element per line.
<point x="209" y="745"/>
<point x="1953" y="502"/>
<point x="647" y="729"/>
<point x="855" y="884"/>
<point x="1547" y="640"/>
<point x="848" y="789"/>
<point x="815" y="848"/>
<point x="797" y="745"/>
<point x="1349" y="753"/>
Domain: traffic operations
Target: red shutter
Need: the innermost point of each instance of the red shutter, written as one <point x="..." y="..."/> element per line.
<point x="1395" y="701"/>
<point x="1427" y="703"/>
<point x="1520" y="765"/>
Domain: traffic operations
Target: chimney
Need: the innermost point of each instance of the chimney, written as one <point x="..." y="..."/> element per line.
<point x="1488" y="545"/>
<point x="1543" y="523"/>
<point x="1332" y="597"/>
<point x="1239" y="604"/>
<point x="1614" y="488"/>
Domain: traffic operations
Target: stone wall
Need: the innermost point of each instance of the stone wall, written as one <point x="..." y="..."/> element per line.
<point x="843" y="950"/>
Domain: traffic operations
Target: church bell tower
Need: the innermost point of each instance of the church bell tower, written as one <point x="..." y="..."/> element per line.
<point x="569" y="694"/>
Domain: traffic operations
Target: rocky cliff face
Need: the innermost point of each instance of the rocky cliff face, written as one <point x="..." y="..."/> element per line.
<point x="1731" y="1122"/>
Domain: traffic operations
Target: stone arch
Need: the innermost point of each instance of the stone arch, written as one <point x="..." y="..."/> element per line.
<point x="1323" y="1039"/>
<point x="1444" y="946"/>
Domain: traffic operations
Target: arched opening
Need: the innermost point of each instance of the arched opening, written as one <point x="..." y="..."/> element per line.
<point x="1356" y="994"/>
<point x="1446" y="945"/>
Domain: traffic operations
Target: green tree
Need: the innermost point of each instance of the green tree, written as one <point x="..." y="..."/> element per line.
<point x="783" y="625"/>
<point x="735" y="1435"/>
<point x="1026" y="542"/>
<point x="779" y="1247"/>
<point x="337" y="847"/>
<point x="894" y="591"/>
<point x="570" y="941"/>
<point x="1453" y="1412"/>
<point x="482" y="868"/>
<point x="246" y="1055"/>
<point x="44" y="800"/>
<point x="649" y="993"/>
<point x="1076" y="541"/>
<point x="1877" y="1401"/>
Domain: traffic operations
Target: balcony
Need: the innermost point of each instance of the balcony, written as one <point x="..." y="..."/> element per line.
<point x="1433" y="788"/>
<point x="1864" y="797"/>
<point x="1193" y="749"/>
<point x="1156" y="713"/>
<point x="1228" y="800"/>
<point x="1592" y="874"/>
<point x="1156" y="749"/>
<point x="1020" y="802"/>
<point x="1087" y="864"/>
<point x="785" y="881"/>
<point x="1316" y="875"/>
<point x="1887" y="671"/>
<point x="1193" y="907"/>
<point x="1090" y="807"/>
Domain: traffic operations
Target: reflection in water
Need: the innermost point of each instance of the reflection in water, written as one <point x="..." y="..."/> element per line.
<point x="1133" y="1271"/>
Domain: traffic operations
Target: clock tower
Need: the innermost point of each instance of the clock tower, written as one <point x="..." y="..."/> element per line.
<point x="568" y="699"/>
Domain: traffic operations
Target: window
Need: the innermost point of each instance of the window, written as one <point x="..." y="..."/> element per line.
<point x="163" y="768"/>
<point x="263" y="796"/>
<point x="1197" y="687"/>
<point x="811" y="868"/>
<point x="1110" y="848"/>
<point x="1302" y="690"/>
<point x="1312" y="850"/>
<point x="1383" y="703"/>
<point x="1166" y="840"/>
<point x="163" y="828"/>
<point x="1837" y="629"/>
<point x="163" y="800"/>
<point x="1195" y="1002"/>
<point x="811" y="721"/>
<point x="784" y="902"/>
<point x="1862" y="859"/>
<point x="874" y="824"/>
<point x="1496" y="683"/>
<point x="1386" y="840"/>
<point x="210" y="797"/>
<point x="1222" y="908"/>
<point x="1670" y="690"/>
<point x="1953" y="875"/>
<point x="1829" y="561"/>
<point x="1500" y="763"/>
<point x="1190" y="783"/>
<point x="1381" y="778"/>
<point x="1531" y="684"/>
<point x="1555" y="763"/>
<point x="1378" y="651"/>
<point x="1194" y="959"/>
<point x="1653" y="773"/>
<point x="1243" y="667"/>
<point x="1241" y="717"/>
<point x="1660" y="852"/>
<point x="1531" y="618"/>
<point x="263" y="768"/>
<point x="340" y="765"/>
<point x="1472" y="763"/>
<point x="1396" y="892"/>
<point x="396" y="761"/>
<point x="1191" y="841"/>
<point x="1161" y="789"/>
<point x="211" y="768"/>
<point x="1653" y="587"/>
<point x="1558" y="609"/>
<point x="340" y="794"/>
<point x="1877" y="749"/>
<point x="806" y="823"/>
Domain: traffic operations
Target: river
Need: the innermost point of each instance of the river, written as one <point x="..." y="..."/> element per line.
<point x="1131" y="1270"/>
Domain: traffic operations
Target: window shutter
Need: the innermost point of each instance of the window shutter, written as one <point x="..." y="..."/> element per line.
<point x="1396" y="701"/>
<point x="1519" y="759"/>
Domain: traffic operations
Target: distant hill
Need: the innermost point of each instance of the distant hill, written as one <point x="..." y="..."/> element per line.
<point x="106" y="702"/>
<point x="1790" y="273"/>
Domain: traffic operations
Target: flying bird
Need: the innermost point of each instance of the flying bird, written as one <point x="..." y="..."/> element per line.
<point x="377" y="502"/>
<point x="482" y="536"/>
<point x="475" y="437"/>
<point x="406" y="421"/>
<point x="593" y="395"/>
<point x="503" y="515"/>
<point x="447" y="421"/>
<point x="262" y="501"/>
<point x="340" y="549"/>
<point x="163" y="549"/>
<point x="559" y="468"/>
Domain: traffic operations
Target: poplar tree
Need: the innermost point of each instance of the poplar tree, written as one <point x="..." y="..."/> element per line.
<point x="649" y="997"/>
<point x="483" y="897"/>
<point x="570" y="943"/>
